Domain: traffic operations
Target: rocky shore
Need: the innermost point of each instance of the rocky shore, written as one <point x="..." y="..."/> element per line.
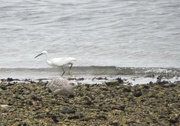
<point x="112" y="104"/>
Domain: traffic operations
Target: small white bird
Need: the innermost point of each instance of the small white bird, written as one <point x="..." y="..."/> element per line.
<point x="58" y="62"/>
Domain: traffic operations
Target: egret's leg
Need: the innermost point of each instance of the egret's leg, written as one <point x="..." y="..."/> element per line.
<point x="71" y="64"/>
<point x="63" y="71"/>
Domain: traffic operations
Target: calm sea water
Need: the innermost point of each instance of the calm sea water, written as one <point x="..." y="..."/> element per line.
<point x="123" y="33"/>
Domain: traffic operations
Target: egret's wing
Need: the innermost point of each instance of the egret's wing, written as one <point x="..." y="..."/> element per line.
<point x="58" y="61"/>
<point x="62" y="61"/>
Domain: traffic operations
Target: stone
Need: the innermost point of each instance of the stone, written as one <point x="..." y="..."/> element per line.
<point x="112" y="83"/>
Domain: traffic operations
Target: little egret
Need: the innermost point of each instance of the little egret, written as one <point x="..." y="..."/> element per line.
<point x="58" y="62"/>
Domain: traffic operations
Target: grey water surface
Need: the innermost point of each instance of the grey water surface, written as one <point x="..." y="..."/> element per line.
<point x="121" y="33"/>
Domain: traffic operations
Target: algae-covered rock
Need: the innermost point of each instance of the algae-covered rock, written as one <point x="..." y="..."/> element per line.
<point x="112" y="83"/>
<point x="33" y="104"/>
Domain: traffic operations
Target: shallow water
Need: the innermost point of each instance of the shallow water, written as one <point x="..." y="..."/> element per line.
<point x="102" y="33"/>
<point x="93" y="75"/>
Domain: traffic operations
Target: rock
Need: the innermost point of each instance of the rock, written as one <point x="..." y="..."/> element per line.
<point x="149" y="76"/>
<point x="159" y="78"/>
<point x="67" y="111"/>
<point x="127" y="89"/>
<point x="77" y="116"/>
<point x="112" y="83"/>
<point x="102" y="117"/>
<point x="137" y="93"/>
<point x="119" y="107"/>
<point x="87" y="100"/>
<point x="167" y="85"/>
<point x="4" y="87"/>
<point x="144" y="86"/>
<point x="120" y="80"/>
<point x="115" y="123"/>
<point x="10" y="79"/>
<point x="54" y="118"/>
<point x="4" y="106"/>
<point x="162" y="82"/>
<point x="122" y="107"/>
<point x="61" y="86"/>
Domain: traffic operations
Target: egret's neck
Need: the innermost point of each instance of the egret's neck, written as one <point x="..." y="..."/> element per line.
<point x="47" y="60"/>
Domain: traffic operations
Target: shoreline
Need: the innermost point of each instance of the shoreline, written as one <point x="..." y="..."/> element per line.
<point x="90" y="74"/>
<point x="91" y="80"/>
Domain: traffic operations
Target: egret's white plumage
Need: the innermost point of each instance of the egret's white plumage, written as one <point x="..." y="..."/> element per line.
<point x="58" y="62"/>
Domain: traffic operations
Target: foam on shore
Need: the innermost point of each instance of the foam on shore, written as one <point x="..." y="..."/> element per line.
<point x="91" y="74"/>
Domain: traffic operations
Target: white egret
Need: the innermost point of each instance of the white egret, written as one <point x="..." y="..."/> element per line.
<point x="58" y="62"/>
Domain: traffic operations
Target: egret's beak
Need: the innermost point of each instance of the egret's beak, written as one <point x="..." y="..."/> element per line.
<point x="38" y="55"/>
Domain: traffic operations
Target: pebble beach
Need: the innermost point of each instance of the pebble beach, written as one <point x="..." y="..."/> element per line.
<point x="112" y="103"/>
